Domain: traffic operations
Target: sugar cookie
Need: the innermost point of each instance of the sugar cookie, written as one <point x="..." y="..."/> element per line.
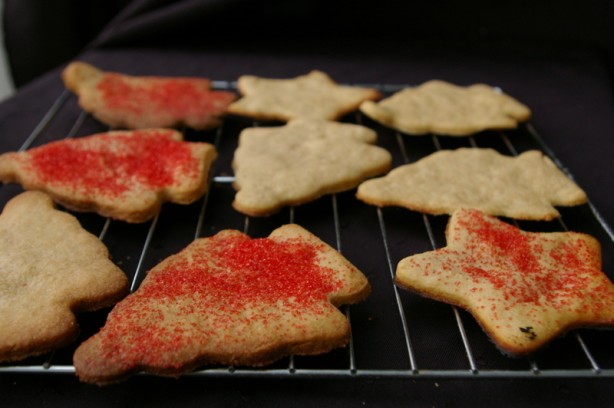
<point x="524" y="288"/>
<point x="522" y="187"/>
<point x="297" y="163"/>
<point x="138" y="102"/>
<point x="125" y="175"/>
<point x="313" y="96"/>
<point x="229" y="300"/>
<point x="446" y="109"/>
<point x="50" y="268"/>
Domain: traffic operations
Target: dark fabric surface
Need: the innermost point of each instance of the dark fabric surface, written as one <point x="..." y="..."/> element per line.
<point x="40" y="35"/>
<point x="566" y="83"/>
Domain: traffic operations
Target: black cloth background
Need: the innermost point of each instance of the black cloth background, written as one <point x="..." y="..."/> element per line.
<point x="40" y="35"/>
<point x="556" y="59"/>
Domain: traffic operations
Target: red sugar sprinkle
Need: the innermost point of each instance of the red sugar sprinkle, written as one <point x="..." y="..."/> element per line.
<point x="501" y="239"/>
<point x="514" y="263"/>
<point x="248" y="270"/>
<point x="112" y="164"/>
<point x="229" y="282"/>
<point x="176" y="96"/>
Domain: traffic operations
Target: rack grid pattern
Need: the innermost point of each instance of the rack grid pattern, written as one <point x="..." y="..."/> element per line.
<point x="408" y="361"/>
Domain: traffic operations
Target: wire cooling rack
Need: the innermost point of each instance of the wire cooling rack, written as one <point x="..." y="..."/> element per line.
<point x="395" y="334"/>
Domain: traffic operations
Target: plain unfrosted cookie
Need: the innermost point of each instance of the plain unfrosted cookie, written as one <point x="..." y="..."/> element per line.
<point x="524" y="288"/>
<point x="125" y="175"/>
<point x="301" y="161"/>
<point x="446" y="109"/>
<point x="313" y="96"/>
<point x="522" y="187"/>
<point x="138" y="102"/>
<point x="50" y="268"/>
<point x="229" y="300"/>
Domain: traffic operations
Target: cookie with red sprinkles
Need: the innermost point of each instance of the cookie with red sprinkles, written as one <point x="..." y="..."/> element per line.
<point x="50" y="268"/>
<point x="125" y="175"/>
<point x="228" y="300"/>
<point x="138" y="102"/>
<point x="524" y="288"/>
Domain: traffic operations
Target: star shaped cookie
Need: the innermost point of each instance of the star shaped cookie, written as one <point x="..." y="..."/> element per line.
<point x="524" y="288"/>
<point x="139" y="102"/>
<point x="229" y="300"/>
<point x="125" y="175"/>
<point x="522" y="187"/>
<point x="446" y="109"/>
<point x="313" y="96"/>
<point x="301" y="161"/>
<point x="50" y="268"/>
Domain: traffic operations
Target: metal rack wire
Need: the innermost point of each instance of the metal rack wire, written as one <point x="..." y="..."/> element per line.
<point x="349" y="362"/>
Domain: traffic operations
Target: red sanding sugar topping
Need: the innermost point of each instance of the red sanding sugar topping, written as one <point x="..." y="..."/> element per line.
<point x="518" y="264"/>
<point x="180" y="97"/>
<point x="208" y="294"/>
<point x="112" y="164"/>
<point x="248" y="270"/>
